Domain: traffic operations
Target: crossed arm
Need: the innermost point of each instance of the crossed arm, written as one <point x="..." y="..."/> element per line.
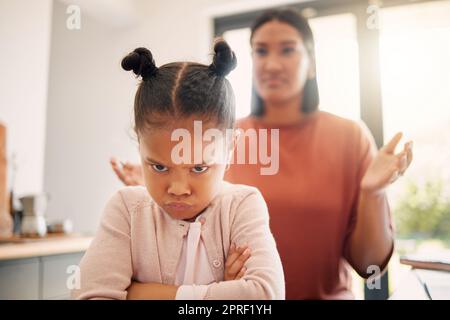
<point x="234" y="270"/>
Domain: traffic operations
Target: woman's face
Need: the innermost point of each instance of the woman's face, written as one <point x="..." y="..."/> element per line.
<point x="281" y="64"/>
<point x="183" y="190"/>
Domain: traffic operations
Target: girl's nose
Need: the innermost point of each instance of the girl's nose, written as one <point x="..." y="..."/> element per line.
<point x="179" y="188"/>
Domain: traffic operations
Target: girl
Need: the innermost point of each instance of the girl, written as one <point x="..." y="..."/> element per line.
<point x="187" y="234"/>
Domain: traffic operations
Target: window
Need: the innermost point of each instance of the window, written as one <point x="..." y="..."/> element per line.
<point x="241" y="77"/>
<point x="415" y="79"/>
<point x="337" y="64"/>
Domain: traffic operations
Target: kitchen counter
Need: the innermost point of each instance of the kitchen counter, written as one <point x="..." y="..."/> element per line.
<point x="20" y="248"/>
<point x="40" y="268"/>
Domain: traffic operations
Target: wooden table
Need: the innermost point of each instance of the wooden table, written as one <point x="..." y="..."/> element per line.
<point x="421" y="284"/>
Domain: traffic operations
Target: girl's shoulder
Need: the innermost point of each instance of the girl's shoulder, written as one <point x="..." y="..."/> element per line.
<point x="238" y="204"/>
<point x="238" y="195"/>
<point x="134" y="196"/>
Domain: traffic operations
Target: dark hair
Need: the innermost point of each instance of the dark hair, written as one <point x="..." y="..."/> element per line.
<point x="182" y="89"/>
<point x="294" y="18"/>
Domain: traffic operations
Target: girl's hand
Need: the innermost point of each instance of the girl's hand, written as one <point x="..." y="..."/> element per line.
<point x="234" y="266"/>
<point x="387" y="167"/>
<point x="130" y="174"/>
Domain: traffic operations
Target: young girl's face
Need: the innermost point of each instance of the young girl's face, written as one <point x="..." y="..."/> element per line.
<point x="182" y="190"/>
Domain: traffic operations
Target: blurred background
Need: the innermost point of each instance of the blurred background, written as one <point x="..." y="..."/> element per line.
<point x="66" y="105"/>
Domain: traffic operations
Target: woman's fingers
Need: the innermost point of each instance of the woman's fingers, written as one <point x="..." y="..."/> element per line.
<point x="387" y="166"/>
<point x="398" y="167"/>
<point x="409" y="152"/>
<point x="128" y="166"/>
<point x="390" y="146"/>
<point x="394" y="177"/>
<point x="114" y="164"/>
<point x="128" y="173"/>
<point x="402" y="163"/>
<point x="404" y="159"/>
<point x="119" y="172"/>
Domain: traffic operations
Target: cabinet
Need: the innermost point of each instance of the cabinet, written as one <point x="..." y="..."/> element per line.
<point x="38" y="269"/>
<point x="38" y="277"/>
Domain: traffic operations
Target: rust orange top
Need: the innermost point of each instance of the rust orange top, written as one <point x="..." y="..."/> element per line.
<point x="312" y="200"/>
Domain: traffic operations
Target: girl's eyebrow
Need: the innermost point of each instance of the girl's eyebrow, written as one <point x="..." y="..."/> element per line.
<point x="153" y="161"/>
<point x="204" y="163"/>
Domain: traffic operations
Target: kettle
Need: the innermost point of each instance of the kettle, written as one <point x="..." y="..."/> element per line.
<point x="33" y="221"/>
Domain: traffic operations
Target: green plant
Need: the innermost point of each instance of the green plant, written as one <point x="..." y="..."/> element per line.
<point x="423" y="211"/>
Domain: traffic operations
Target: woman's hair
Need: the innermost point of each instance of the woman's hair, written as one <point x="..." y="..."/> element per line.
<point x="292" y="17"/>
<point x="182" y="89"/>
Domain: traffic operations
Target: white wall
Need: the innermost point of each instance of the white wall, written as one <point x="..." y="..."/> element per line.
<point x="90" y="97"/>
<point x="25" y="28"/>
<point x="88" y="119"/>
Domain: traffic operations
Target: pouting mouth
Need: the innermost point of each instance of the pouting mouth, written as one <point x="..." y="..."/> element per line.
<point x="178" y="206"/>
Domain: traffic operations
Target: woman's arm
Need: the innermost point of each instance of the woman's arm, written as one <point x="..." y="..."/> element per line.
<point x="372" y="240"/>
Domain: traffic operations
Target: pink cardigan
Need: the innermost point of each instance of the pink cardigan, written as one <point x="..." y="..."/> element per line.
<point x="138" y="241"/>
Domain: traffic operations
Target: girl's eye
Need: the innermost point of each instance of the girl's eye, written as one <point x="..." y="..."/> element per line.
<point x="199" y="169"/>
<point x="159" y="168"/>
<point x="261" y="51"/>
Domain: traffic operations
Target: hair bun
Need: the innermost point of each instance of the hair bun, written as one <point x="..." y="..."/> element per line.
<point x="141" y="62"/>
<point x="224" y="59"/>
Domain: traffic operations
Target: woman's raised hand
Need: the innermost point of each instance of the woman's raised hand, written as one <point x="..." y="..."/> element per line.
<point x="387" y="166"/>
<point x="130" y="174"/>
